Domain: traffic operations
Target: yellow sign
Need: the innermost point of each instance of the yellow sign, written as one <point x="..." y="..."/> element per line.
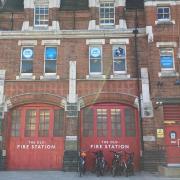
<point x="160" y="133"/>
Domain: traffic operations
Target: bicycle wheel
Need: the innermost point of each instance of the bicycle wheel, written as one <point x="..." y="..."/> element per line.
<point x="113" y="171"/>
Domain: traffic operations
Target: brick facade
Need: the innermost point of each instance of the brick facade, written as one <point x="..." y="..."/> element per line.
<point x="73" y="34"/>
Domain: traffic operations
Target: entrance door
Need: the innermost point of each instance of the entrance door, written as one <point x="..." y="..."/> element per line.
<point x="36" y="137"/>
<point x="172" y="139"/>
<point x="109" y="127"/>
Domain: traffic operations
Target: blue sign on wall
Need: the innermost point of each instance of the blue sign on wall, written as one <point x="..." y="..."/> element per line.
<point x="166" y="61"/>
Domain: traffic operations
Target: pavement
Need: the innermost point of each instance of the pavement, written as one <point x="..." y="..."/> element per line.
<point x="60" y="175"/>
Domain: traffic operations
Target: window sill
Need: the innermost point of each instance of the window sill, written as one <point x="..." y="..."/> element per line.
<point x="25" y="77"/>
<point x="120" y="76"/>
<point x="168" y="22"/>
<point x="168" y="74"/>
<point x="95" y="76"/>
<point x="49" y="77"/>
<point x="104" y="27"/>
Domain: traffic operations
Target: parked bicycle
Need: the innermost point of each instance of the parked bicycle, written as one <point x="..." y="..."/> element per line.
<point x="117" y="164"/>
<point x="82" y="163"/>
<point x="129" y="164"/>
<point x="100" y="163"/>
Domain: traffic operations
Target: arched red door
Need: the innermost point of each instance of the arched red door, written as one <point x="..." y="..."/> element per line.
<point x="36" y="137"/>
<point x="109" y="127"/>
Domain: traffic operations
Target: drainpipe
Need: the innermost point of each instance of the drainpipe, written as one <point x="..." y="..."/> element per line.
<point x="135" y="32"/>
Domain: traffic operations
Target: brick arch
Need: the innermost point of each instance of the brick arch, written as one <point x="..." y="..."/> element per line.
<point x="122" y="98"/>
<point x="30" y="98"/>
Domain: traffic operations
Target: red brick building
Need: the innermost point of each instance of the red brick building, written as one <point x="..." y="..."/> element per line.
<point x="89" y="75"/>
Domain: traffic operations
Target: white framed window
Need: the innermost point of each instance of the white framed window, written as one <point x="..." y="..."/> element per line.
<point x="41" y="15"/>
<point x="95" y="59"/>
<point x="167" y="59"/>
<point x="27" y="56"/>
<point x="163" y="14"/>
<point x="107" y="14"/>
<point x="50" y="60"/>
<point x="119" y="59"/>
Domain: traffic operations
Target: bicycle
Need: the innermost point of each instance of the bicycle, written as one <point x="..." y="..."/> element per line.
<point x="129" y="164"/>
<point x="117" y="164"/>
<point x="82" y="163"/>
<point x="100" y="163"/>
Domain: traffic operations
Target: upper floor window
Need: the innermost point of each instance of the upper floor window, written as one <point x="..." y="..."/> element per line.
<point x="167" y="59"/>
<point x="41" y="16"/>
<point x="163" y="13"/>
<point x="95" y="60"/>
<point x="50" y="59"/>
<point x="27" y="55"/>
<point x="119" y="59"/>
<point x="107" y="12"/>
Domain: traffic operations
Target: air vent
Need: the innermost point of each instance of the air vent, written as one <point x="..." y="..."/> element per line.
<point x="72" y="109"/>
<point x="147" y="110"/>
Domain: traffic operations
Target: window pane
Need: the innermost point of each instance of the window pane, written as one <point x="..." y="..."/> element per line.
<point x="101" y="122"/>
<point x="116" y="122"/>
<point x="88" y="117"/>
<point x="163" y="13"/>
<point x="27" y="67"/>
<point x="119" y="65"/>
<point x="50" y="66"/>
<point x="44" y="123"/>
<point x="130" y="122"/>
<point x="119" y="55"/>
<point x="166" y="58"/>
<point x="95" y="65"/>
<point x="30" y="123"/>
<point x="41" y="15"/>
<point x="27" y="53"/>
<point x="15" y="123"/>
<point x="58" y="122"/>
<point x="51" y="53"/>
<point x="106" y="13"/>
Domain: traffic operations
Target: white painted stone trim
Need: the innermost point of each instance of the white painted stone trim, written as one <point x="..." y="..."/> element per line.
<point x="27" y="43"/>
<point x="96" y="3"/>
<point x="49" y="77"/>
<point x="168" y="73"/>
<point x="95" y="41"/>
<point x="95" y="77"/>
<point x="51" y="42"/>
<point x="122" y="24"/>
<point x="26" y="77"/>
<point x="72" y="96"/>
<point x="54" y="3"/>
<point x="92" y="25"/>
<point x="51" y="3"/>
<point x="155" y="3"/>
<point x="149" y="32"/>
<point x="119" y="41"/>
<point x="149" y="138"/>
<point x="166" y="44"/>
<point x="165" y="22"/>
<point x="120" y="76"/>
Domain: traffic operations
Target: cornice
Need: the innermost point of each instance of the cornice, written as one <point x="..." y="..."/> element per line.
<point x="70" y="34"/>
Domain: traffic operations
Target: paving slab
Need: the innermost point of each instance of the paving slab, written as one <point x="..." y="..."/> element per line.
<point x="60" y="175"/>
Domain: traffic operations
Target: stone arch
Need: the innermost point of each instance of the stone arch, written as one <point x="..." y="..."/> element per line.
<point x="29" y="98"/>
<point x="122" y="98"/>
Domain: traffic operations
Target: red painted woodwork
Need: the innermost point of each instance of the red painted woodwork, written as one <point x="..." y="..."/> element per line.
<point x="108" y="143"/>
<point x="172" y="112"/>
<point x="172" y="140"/>
<point x="35" y="152"/>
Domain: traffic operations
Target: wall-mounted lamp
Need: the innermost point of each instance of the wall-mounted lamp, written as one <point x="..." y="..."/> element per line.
<point x="158" y="104"/>
<point x="177" y="82"/>
<point x="159" y="83"/>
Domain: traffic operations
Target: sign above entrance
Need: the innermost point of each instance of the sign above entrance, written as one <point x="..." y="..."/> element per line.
<point x="111" y="145"/>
